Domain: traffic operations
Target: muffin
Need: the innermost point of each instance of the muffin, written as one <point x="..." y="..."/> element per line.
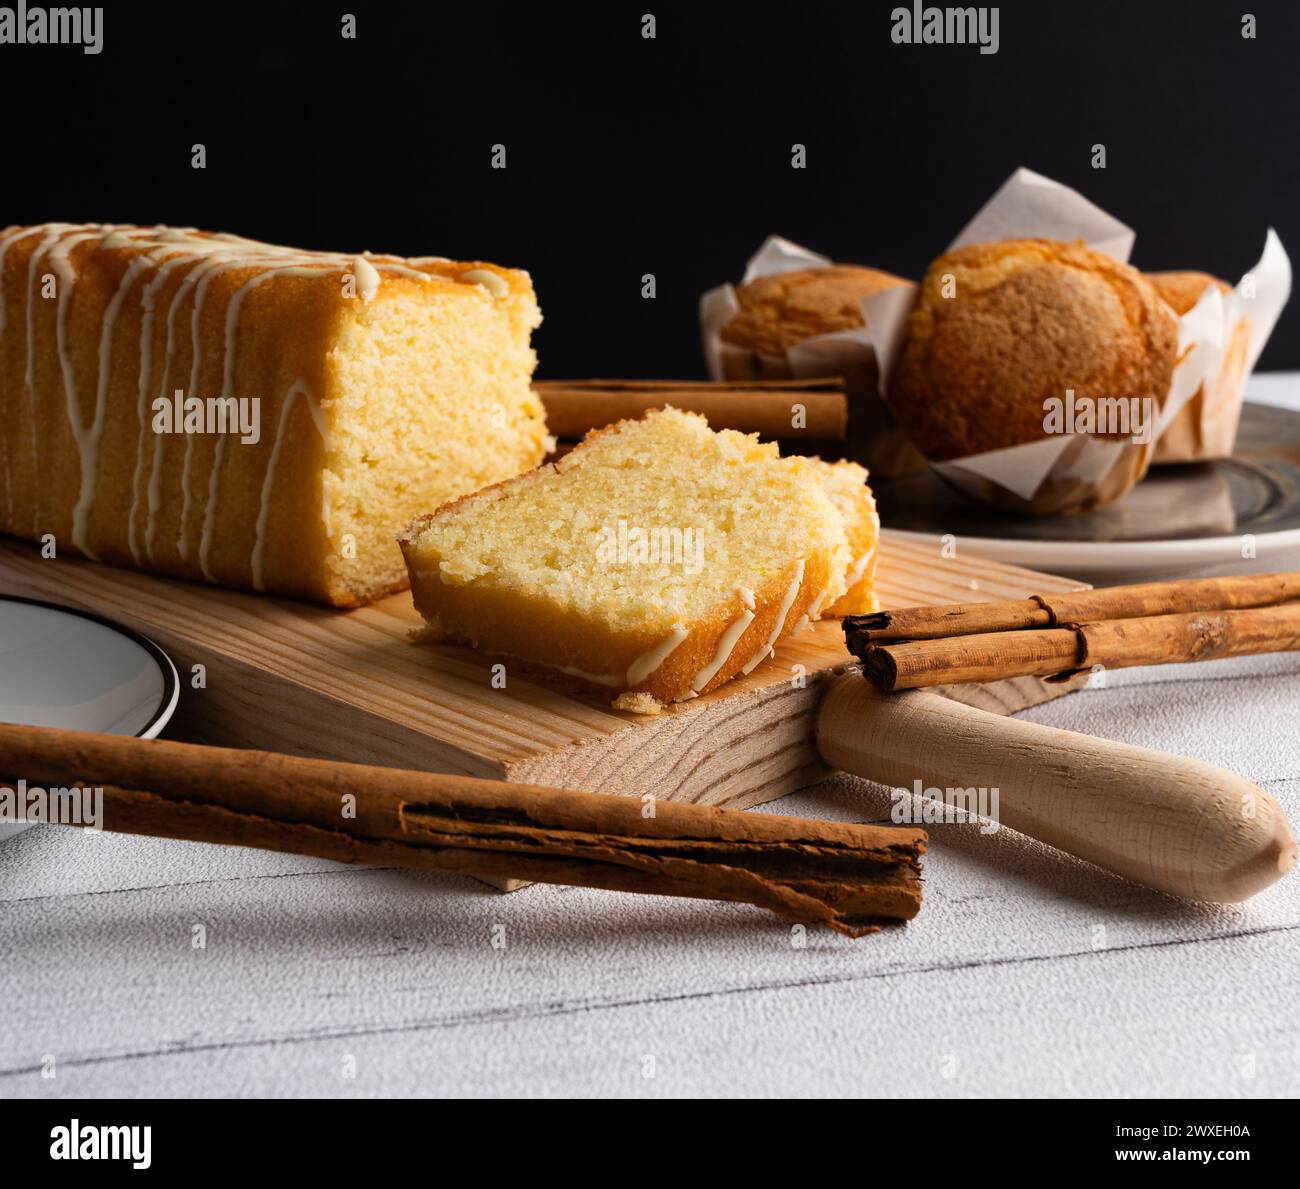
<point x="1182" y="290"/>
<point x="1206" y="426"/>
<point x="1027" y="320"/>
<point x="779" y="313"/>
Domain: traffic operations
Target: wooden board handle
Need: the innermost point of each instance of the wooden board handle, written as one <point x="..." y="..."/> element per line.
<point x="1168" y="822"/>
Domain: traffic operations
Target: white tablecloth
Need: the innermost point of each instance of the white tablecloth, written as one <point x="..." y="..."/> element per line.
<point x="1027" y="973"/>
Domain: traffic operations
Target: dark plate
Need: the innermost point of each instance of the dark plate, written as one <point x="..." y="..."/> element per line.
<point x="1183" y="516"/>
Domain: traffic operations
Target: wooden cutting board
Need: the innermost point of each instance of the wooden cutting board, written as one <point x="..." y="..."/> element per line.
<point x="351" y="685"/>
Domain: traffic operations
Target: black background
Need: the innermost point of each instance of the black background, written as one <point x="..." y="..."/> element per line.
<point x="671" y="156"/>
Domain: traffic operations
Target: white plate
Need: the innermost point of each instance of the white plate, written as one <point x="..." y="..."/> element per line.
<point x="70" y="669"/>
<point x="1230" y="516"/>
<point x="1130" y="561"/>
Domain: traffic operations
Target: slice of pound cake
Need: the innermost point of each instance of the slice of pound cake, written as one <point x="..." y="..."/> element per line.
<point x="656" y="560"/>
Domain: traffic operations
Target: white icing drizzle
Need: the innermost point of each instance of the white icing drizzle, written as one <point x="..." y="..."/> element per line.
<point x="860" y="568"/>
<point x="298" y="388"/>
<point x="200" y="293"/>
<point x="415" y="274"/>
<point x="367" y="278"/>
<point x="597" y="678"/>
<point x="148" y="301"/>
<point x="87" y="438"/>
<point x="815" y="607"/>
<point x="746" y="596"/>
<point x="496" y="285"/>
<point x="5" y="245"/>
<point x="164" y="389"/>
<point x="786" y="603"/>
<point x="228" y="389"/>
<point x="52" y="233"/>
<point x="643" y="666"/>
<point x="726" y="645"/>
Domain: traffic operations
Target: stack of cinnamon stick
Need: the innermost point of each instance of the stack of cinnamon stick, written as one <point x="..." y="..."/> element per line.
<point x="1155" y="623"/>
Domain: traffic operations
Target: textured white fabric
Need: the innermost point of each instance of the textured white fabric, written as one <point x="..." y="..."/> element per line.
<point x="1027" y="973"/>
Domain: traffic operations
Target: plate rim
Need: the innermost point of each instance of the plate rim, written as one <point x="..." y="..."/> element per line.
<point x="171" y="679"/>
<point x="1119" y="556"/>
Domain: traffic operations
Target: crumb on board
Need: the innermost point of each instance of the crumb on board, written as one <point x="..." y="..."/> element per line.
<point x="639" y="702"/>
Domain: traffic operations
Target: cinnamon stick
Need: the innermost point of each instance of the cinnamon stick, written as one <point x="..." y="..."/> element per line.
<point x="943" y="621"/>
<point x="776" y="409"/>
<point x="1115" y="602"/>
<point x="847" y="877"/>
<point x="1059" y="652"/>
<point x="989" y="656"/>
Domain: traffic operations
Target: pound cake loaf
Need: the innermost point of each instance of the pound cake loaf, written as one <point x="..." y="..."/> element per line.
<point x="655" y="561"/>
<point x="209" y="407"/>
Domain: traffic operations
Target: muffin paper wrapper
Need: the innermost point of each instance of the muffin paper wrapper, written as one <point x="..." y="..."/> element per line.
<point x="1208" y="328"/>
<point x="1029" y="205"/>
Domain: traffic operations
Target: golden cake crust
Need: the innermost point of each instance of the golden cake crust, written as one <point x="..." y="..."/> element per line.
<point x="779" y="311"/>
<point x="1029" y="319"/>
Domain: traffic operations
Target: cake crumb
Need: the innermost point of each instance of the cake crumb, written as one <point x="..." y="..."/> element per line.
<point x="639" y="702"/>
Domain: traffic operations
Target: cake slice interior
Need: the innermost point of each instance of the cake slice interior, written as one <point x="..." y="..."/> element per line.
<point x="658" y="559"/>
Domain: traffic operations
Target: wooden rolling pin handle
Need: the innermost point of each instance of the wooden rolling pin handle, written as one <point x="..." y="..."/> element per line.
<point x="1168" y="822"/>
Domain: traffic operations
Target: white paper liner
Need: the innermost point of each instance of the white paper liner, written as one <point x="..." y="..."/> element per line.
<point x="1206" y="332"/>
<point x="1271" y="279"/>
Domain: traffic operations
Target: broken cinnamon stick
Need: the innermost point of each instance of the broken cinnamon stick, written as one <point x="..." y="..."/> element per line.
<point x="776" y="409"/>
<point x="1115" y="602"/>
<point x="847" y="877"/>
<point x="1060" y="652"/>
